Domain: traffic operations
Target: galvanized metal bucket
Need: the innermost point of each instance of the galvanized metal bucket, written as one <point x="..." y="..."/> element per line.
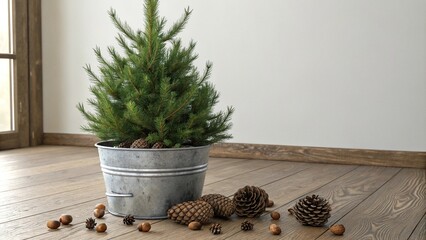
<point x="147" y="182"/>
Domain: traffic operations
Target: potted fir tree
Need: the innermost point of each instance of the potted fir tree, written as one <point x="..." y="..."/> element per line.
<point x="154" y="111"/>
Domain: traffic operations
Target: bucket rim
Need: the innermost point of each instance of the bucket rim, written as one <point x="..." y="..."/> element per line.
<point x="103" y="145"/>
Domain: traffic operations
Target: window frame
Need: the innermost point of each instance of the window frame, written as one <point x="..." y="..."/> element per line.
<point x="27" y="84"/>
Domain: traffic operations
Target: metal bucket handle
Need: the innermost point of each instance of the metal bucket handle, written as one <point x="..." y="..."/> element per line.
<point x="113" y="194"/>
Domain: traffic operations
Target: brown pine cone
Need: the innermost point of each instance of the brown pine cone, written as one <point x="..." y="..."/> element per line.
<point x="191" y="211"/>
<point x="90" y="223"/>
<point x="311" y="210"/>
<point x="129" y="219"/>
<point x="247" y="225"/>
<point x="250" y="201"/>
<point x="140" y="143"/>
<point x="222" y="205"/>
<point x="216" y="228"/>
<point x="158" y="145"/>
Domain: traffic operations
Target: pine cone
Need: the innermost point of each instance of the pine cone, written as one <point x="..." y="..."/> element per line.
<point x="222" y="205"/>
<point x="140" y="143"/>
<point x="158" y="145"/>
<point x="246" y="225"/>
<point x="311" y="210"/>
<point x="129" y="219"/>
<point x="90" y="223"/>
<point x="250" y="201"/>
<point x="186" y="212"/>
<point x="216" y="228"/>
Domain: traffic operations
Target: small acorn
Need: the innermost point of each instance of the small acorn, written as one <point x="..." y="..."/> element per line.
<point x="337" y="229"/>
<point x="102" y="227"/>
<point x="275" y="215"/>
<point x="65" y="219"/>
<point x="100" y="206"/>
<point x="144" y="227"/>
<point x="275" y="229"/>
<point x="270" y="203"/>
<point x="98" y="212"/>
<point x="194" y="225"/>
<point x="53" y="224"/>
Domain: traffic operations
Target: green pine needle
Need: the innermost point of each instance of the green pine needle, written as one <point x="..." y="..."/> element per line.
<point x="152" y="88"/>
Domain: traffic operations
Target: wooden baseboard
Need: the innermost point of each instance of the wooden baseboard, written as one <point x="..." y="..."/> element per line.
<point x="280" y="152"/>
<point x="66" y="139"/>
<point x="321" y="155"/>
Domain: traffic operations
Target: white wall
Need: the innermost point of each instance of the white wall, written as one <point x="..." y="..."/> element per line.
<point x="326" y="73"/>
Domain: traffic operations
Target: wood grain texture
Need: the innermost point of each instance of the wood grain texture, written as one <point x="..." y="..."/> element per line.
<point x="83" y="140"/>
<point x="38" y="159"/>
<point x="388" y="212"/>
<point x="281" y="152"/>
<point x="27" y="82"/>
<point x="20" y="136"/>
<point x="35" y="73"/>
<point x="53" y="176"/>
<point x="343" y="193"/>
<point x="259" y="177"/>
<point x="231" y="170"/>
<point x="372" y="202"/>
<point x="9" y="140"/>
<point x="35" y="225"/>
<point x="37" y="191"/>
<point x="321" y="155"/>
<point x="282" y="191"/>
<point x="419" y="232"/>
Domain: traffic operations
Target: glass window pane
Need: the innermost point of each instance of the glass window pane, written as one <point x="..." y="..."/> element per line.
<point x="6" y="123"/>
<point x="5" y="26"/>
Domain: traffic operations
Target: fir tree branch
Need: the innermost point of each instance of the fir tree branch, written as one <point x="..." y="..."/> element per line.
<point x="206" y="73"/>
<point x="154" y="90"/>
<point x="181" y="106"/>
<point x="178" y="26"/>
<point x="122" y="27"/>
<point x="122" y="42"/>
<point x="91" y="74"/>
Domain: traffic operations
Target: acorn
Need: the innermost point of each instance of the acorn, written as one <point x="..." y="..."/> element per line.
<point x="275" y="229"/>
<point x="270" y="203"/>
<point x="65" y="219"/>
<point x="144" y="227"/>
<point x="194" y="225"/>
<point x="98" y="212"/>
<point x="275" y="215"/>
<point x="100" y="206"/>
<point x="53" y="224"/>
<point x="102" y="227"/>
<point x="337" y="229"/>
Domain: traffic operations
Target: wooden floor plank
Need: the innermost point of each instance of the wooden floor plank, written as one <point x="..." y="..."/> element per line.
<point x="35" y="225"/>
<point x="392" y="212"/>
<point x="78" y="230"/>
<point x="34" y="151"/>
<point x="68" y="156"/>
<point x="258" y="177"/>
<point x="215" y="163"/>
<point x="419" y="232"/>
<point x="48" y="189"/>
<point x="226" y="170"/>
<point x="42" y="178"/>
<point x="281" y="191"/>
<point x="236" y="169"/>
<point x="38" y="184"/>
<point x="94" y="190"/>
<point x="29" y="159"/>
<point x="10" y="175"/>
<point x="343" y="194"/>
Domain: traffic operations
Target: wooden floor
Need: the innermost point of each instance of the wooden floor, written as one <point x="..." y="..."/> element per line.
<point x="39" y="184"/>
